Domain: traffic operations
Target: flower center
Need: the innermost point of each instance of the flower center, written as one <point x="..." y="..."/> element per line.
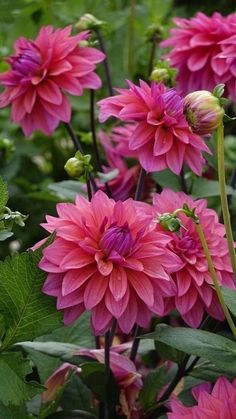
<point x="117" y="239"/>
<point x="27" y="62"/>
<point x="187" y="245"/>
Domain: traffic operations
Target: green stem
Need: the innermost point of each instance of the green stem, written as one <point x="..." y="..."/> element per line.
<point x="215" y="279"/>
<point x="131" y="36"/>
<point x="223" y="195"/>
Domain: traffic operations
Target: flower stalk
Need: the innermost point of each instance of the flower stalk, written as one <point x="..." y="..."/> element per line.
<point x="223" y="195"/>
<point x="215" y="279"/>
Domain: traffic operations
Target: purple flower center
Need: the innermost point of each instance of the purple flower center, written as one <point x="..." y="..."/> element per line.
<point x="27" y="62"/>
<point x="117" y="239"/>
<point x="187" y="245"/>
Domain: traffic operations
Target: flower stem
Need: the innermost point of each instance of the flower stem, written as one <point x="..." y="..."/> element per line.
<point x="105" y="62"/>
<point x="139" y="189"/>
<point x="107" y="370"/>
<point x="134" y="349"/>
<point x="131" y="36"/>
<point x="215" y="279"/>
<point x="94" y="138"/>
<point x="78" y="146"/>
<point x="223" y="195"/>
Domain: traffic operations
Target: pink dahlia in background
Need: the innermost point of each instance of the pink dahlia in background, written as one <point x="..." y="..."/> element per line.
<point x="162" y="137"/>
<point x="195" y="45"/>
<point x="115" y="146"/>
<point x="194" y="292"/>
<point x="107" y="258"/>
<point x="227" y="60"/>
<point x="124" y="370"/>
<point x="218" y="402"/>
<point x="42" y="71"/>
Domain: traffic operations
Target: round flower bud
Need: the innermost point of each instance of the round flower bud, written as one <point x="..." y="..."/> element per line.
<point x="203" y="111"/>
<point x="79" y="165"/>
<point x="88" y="21"/>
<point x="162" y="72"/>
<point x="169" y="222"/>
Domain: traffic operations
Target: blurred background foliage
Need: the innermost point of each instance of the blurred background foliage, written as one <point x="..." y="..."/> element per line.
<point x="34" y="167"/>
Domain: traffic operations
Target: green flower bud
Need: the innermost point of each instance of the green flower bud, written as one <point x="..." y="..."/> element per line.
<point x="162" y="72"/>
<point x="79" y="165"/>
<point x="169" y="222"/>
<point x="203" y="111"/>
<point x="88" y="21"/>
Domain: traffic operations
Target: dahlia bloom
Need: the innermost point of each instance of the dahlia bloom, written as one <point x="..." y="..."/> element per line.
<point x="107" y="258"/>
<point x="195" y="294"/>
<point x="218" y="402"/>
<point x="123" y="369"/>
<point x="196" y="44"/>
<point x="162" y="137"/>
<point x="42" y="71"/>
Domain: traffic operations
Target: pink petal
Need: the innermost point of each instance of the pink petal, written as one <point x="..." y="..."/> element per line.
<point x="94" y="291"/>
<point x="142" y="286"/>
<point x="118" y="283"/>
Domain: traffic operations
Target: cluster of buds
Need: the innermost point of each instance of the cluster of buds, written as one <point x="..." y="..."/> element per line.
<point x="204" y="111"/>
<point x="79" y="166"/>
<point x="7" y="219"/>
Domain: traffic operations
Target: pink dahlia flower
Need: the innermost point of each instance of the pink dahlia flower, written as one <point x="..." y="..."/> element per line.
<point x="195" y="44"/>
<point x="108" y="259"/>
<point x="162" y="137"/>
<point x="227" y="61"/>
<point x="42" y="71"/>
<point x="218" y="402"/>
<point x="195" y="294"/>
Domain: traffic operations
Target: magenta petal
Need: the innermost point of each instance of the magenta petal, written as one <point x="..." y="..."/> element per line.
<point x="94" y="291"/>
<point x="118" y="283"/>
<point x="50" y="92"/>
<point x="142" y="286"/>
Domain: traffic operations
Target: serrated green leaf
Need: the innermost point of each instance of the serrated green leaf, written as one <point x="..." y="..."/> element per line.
<point x="230" y="299"/>
<point x="28" y="312"/>
<point x="153" y="383"/>
<point x="215" y="348"/>
<point x="13" y="387"/>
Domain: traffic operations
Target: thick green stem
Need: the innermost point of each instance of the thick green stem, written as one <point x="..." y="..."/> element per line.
<point x="215" y="279"/>
<point x="223" y="195"/>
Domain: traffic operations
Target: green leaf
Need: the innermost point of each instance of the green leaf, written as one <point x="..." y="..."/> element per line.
<point x="166" y="178"/>
<point x="3" y="194"/>
<point x="65" y="351"/>
<point x="13" y="387"/>
<point x="169" y="353"/>
<point x="13" y="412"/>
<point x="68" y="189"/>
<point x="79" y="333"/>
<point x="207" y="188"/>
<point x="230" y="299"/>
<point x="93" y="374"/>
<point x="5" y="234"/>
<point x="153" y="383"/>
<point x="215" y="348"/>
<point x="28" y="313"/>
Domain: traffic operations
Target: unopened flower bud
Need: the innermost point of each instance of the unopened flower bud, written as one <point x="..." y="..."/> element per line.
<point x="203" y="111"/>
<point x="88" y="21"/>
<point x="169" y="222"/>
<point x="79" y="165"/>
<point x="154" y="33"/>
<point x="162" y="72"/>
